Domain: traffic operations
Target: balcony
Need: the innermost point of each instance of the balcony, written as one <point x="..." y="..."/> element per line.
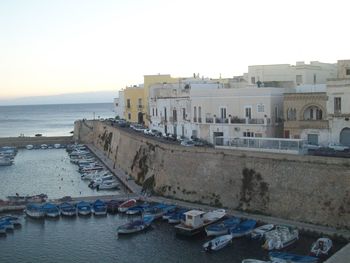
<point x="255" y="121"/>
<point x="237" y="120"/>
<point x="221" y="120"/>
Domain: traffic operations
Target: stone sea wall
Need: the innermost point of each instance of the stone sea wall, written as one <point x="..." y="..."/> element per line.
<point x="302" y="188"/>
<point x="21" y="142"/>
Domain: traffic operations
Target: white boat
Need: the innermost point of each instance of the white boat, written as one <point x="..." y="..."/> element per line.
<point x="281" y="237"/>
<point x="196" y="221"/>
<point x="57" y="145"/>
<point x="94" y="183"/>
<point x="321" y="247"/>
<point x="94" y="176"/>
<point x="260" y="231"/>
<point x="43" y="146"/>
<point x="250" y="260"/>
<point x="35" y="211"/>
<point x="217" y="243"/>
<point x="108" y="185"/>
<point x="29" y="147"/>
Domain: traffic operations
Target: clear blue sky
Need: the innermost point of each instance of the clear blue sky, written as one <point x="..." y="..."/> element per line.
<point x="54" y="47"/>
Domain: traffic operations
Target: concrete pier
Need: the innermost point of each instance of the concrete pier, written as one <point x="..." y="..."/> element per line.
<point x="21" y="142"/>
<point x="342" y="256"/>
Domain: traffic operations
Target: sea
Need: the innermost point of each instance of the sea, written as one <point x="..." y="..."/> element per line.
<point x="48" y="120"/>
<point x="92" y="238"/>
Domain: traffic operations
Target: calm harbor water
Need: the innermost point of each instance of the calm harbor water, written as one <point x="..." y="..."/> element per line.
<point x="49" y="120"/>
<point x="93" y="239"/>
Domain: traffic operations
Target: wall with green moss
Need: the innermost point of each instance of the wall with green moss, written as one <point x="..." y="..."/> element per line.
<point x="303" y="188"/>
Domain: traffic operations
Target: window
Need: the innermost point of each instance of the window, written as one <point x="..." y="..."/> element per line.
<point x="261" y="107"/>
<point x="165" y="115"/>
<point x="129" y="116"/>
<point x="318" y="114"/>
<point x="140" y="103"/>
<point x="194" y="114"/>
<point x="314" y="78"/>
<point x="184" y="114"/>
<point x="223" y="113"/>
<point x="276" y="113"/>
<point x="152" y="111"/>
<point x="128" y="103"/>
<point x="157" y="112"/>
<point x="337" y="105"/>
<point x="174" y="115"/>
<point x="253" y="80"/>
<point x="248" y="112"/>
<point x="299" y="79"/>
<point x="199" y="114"/>
<point x="248" y="134"/>
<point x="347" y="72"/>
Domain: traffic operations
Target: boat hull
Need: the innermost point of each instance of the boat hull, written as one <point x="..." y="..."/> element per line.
<point x="35" y="214"/>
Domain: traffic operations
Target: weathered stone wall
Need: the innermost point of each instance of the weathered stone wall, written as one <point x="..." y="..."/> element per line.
<point x="303" y="188"/>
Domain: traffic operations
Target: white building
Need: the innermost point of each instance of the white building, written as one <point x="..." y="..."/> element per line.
<point x="119" y="105"/>
<point x="285" y="75"/>
<point x="338" y="106"/>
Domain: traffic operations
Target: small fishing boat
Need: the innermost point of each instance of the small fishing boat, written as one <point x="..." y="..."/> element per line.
<point x="135" y="226"/>
<point x="249" y="260"/>
<point x="291" y="258"/>
<point x="196" y="220"/>
<point x="244" y="228"/>
<point x="126" y="205"/>
<point x="99" y="207"/>
<point x="51" y="210"/>
<point x="138" y="209"/>
<point x="84" y="208"/>
<point x="223" y="227"/>
<point x="8" y="225"/>
<point x="68" y="209"/>
<point x="157" y="211"/>
<point x="260" y="231"/>
<point x="13" y="219"/>
<point x="217" y="243"/>
<point x="281" y="237"/>
<point x="321" y="247"/>
<point x="112" y="206"/>
<point x="177" y="217"/>
<point x="108" y="185"/>
<point x="35" y="211"/>
<point x="43" y="146"/>
<point x="29" y="147"/>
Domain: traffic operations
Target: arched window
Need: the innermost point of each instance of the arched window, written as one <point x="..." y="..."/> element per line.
<point x="312" y="113"/>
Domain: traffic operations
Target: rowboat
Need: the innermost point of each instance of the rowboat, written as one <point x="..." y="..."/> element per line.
<point x="217" y="243"/>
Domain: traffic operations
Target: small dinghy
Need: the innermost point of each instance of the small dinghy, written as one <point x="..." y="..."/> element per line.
<point x="68" y="209"/>
<point x="51" y="210"/>
<point x="99" y="208"/>
<point x="135" y="226"/>
<point x="217" y="243"/>
<point x="243" y="229"/>
<point x="84" y="208"/>
<point x="260" y="231"/>
<point x="222" y="227"/>
<point x="291" y="258"/>
<point x="126" y="205"/>
<point x="321" y="247"/>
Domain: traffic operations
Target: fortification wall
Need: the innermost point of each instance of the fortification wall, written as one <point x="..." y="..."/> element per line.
<point x="302" y="188"/>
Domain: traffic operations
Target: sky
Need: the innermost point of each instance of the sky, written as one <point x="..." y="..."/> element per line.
<point x="72" y="46"/>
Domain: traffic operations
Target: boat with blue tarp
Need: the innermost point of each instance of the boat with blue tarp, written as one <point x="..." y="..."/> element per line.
<point x="243" y="228"/>
<point x="135" y="225"/>
<point x="84" y="208"/>
<point x="51" y="210"/>
<point x="223" y="227"/>
<point x="99" y="207"/>
<point x="35" y="211"/>
<point x="291" y="258"/>
<point x="68" y="209"/>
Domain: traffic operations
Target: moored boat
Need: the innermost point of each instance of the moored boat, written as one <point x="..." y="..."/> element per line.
<point x="8" y="225"/>
<point x="112" y="206"/>
<point x="291" y="258"/>
<point x="177" y="217"/>
<point x="196" y="221"/>
<point x="260" y="231"/>
<point x="35" y="211"/>
<point x="51" y="210"/>
<point x="138" y="209"/>
<point x="217" y="243"/>
<point x="223" y="227"/>
<point x="108" y="185"/>
<point x="29" y="147"/>
<point x="84" y="208"/>
<point x="242" y="229"/>
<point x="321" y="247"/>
<point x="68" y="209"/>
<point x="135" y="225"/>
<point x="126" y="205"/>
<point x="281" y="237"/>
<point x="99" y="207"/>
<point x="13" y="219"/>
<point x="157" y="211"/>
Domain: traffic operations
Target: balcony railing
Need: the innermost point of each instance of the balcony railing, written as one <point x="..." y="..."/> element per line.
<point x="209" y="120"/>
<point x="237" y="120"/>
<point x="221" y="120"/>
<point x="255" y="121"/>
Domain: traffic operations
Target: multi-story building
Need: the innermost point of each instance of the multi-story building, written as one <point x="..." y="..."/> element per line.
<point x="338" y="106"/>
<point x="134" y="104"/>
<point x="305" y="114"/>
<point x="119" y="107"/>
<point x="285" y="75"/>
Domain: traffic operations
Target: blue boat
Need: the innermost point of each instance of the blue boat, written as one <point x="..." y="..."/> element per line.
<point x="292" y="258"/>
<point x="135" y="226"/>
<point x="68" y="209"/>
<point x="99" y="208"/>
<point x="243" y="228"/>
<point x="139" y="209"/>
<point x="223" y="227"/>
<point x="6" y="225"/>
<point x="84" y="208"/>
<point x="157" y="211"/>
<point x="51" y="210"/>
<point x="176" y="217"/>
<point x="13" y="219"/>
<point x="35" y="211"/>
